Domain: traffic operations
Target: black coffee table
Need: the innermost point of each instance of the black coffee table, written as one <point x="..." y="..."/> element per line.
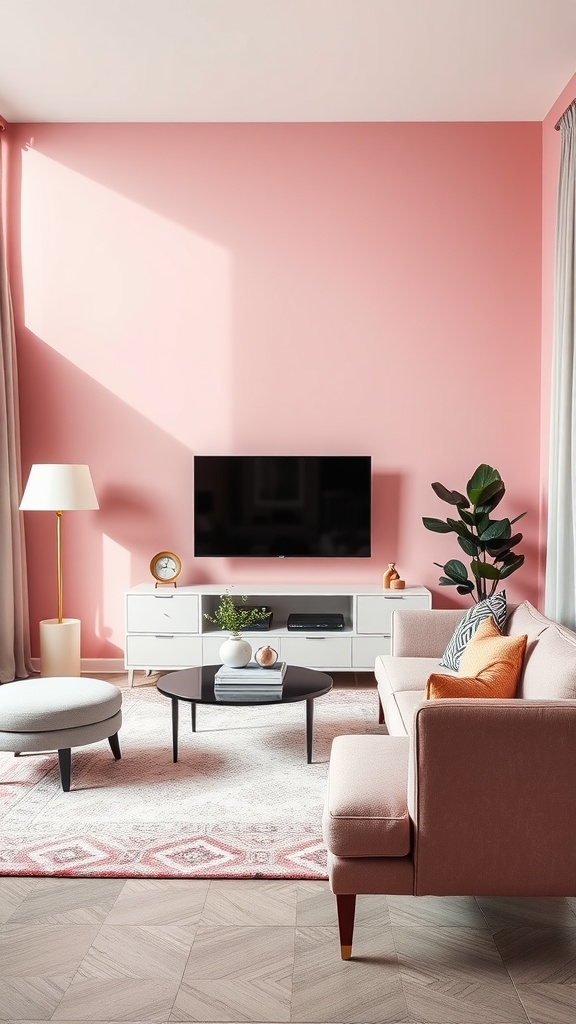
<point x="196" y="685"/>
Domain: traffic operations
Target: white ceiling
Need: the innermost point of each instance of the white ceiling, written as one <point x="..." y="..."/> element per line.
<point x="284" y="60"/>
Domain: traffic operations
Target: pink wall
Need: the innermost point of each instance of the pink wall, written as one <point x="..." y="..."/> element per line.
<point x="349" y="288"/>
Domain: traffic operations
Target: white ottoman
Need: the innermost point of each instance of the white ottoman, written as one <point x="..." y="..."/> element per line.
<point x="59" y="713"/>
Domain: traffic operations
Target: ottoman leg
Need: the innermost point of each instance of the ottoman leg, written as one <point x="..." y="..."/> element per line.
<point x="64" y="760"/>
<point x="115" y="746"/>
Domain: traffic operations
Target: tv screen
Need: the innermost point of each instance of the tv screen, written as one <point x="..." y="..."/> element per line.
<point x="282" y="506"/>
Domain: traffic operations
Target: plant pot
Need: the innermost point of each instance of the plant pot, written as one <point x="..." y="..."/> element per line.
<point x="235" y="652"/>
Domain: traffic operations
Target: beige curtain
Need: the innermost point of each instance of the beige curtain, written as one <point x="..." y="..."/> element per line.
<point x="560" y="596"/>
<point x="14" y="628"/>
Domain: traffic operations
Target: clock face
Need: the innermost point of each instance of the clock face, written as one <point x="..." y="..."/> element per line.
<point x="165" y="566"/>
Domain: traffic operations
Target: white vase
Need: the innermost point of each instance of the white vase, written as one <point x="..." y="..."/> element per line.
<point x="235" y="652"/>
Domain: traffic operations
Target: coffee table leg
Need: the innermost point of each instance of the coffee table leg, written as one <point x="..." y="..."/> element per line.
<point x="174" y="729"/>
<point x="309" y="728"/>
<point x="193" y="716"/>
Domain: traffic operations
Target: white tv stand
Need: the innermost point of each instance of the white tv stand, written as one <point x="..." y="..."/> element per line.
<point x="166" y="627"/>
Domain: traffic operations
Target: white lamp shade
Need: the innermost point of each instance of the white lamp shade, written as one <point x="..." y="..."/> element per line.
<point x="56" y="487"/>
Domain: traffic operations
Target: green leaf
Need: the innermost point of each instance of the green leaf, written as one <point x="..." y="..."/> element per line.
<point x="495" y="500"/>
<point x="497" y="528"/>
<point x="484" y="570"/>
<point x="482" y="521"/>
<point x="444" y="582"/>
<point x="460" y="529"/>
<point x="436" y="525"/>
<point x="465" y="588"/>
<point x="521" y="516"/>
<point x="481" y="478"/>
<point x="467" y="517"/>
<point x="511" y="567"/>
<point x="500" y="548"/>
<point x="469" y="547"/>
<point x="491" y="496"/>
<point x="456" y="571"/>
<point x="452" y="497"/>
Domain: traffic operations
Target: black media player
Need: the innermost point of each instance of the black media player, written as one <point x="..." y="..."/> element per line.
<point x="315" y="621"/>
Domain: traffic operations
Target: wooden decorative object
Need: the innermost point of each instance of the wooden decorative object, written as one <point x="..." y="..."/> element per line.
<point x="389" y="576"/>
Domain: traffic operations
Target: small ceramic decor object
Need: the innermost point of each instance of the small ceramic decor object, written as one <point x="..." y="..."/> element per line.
<point x="235" y="652"/>
<point x="390" y="575"/>
<point x="397" y="584"/>
<point x="266" y="657"/>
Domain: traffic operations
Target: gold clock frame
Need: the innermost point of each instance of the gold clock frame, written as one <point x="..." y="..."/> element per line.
<point x="162" y="582"/>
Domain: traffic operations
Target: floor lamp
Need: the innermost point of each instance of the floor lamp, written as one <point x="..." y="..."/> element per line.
<point x="59" y="488"/>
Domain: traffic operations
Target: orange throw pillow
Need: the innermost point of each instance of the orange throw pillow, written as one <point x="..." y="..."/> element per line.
<point x="490" y="666"/>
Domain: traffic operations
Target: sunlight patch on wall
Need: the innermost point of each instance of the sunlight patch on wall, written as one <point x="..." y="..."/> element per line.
<point x="116" y="566"/>
<point x="139" y="303"/>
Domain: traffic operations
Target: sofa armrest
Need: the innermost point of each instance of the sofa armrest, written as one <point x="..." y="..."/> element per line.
<point x="423" y="633"/>
<point x="366" y="812"/>
<point x="491" y="792"/>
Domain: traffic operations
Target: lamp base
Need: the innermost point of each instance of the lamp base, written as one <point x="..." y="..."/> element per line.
<point x="60" y="647"/>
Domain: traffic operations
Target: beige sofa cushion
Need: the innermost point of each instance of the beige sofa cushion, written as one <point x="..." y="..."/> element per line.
<point x="401" y="683"/>
<point x="366" y="812"/>
<point x="394" y="674"/>
<point x="549" y="671"/>
<point x="550" y="666"/>
<point x="524" y="618"/>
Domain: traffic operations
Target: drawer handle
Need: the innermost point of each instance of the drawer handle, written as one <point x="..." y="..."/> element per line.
<point x="316" y="638"/>
<point x="164" y="636"/>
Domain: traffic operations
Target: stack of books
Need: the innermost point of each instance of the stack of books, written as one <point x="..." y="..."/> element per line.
<point x="250" y="682"/>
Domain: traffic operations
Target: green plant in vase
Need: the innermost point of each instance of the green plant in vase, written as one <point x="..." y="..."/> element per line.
<point x="487" y="541"/>
<point x="233" y="617"/>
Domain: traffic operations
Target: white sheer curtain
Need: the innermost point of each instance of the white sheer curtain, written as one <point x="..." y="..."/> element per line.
<point x="560" y="591"/>
<point x="14" y="629"/>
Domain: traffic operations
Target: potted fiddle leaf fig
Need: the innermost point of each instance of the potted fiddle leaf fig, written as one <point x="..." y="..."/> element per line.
<point x="487" y="541"/>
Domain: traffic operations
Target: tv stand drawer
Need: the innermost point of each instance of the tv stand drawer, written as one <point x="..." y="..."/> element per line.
<point x="320" y="650"/>
<point x="164" y="611"/>
<point x="163" y="650"/>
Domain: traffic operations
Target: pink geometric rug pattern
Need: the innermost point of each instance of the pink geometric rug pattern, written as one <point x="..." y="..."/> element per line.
<point x="240" y="803"/>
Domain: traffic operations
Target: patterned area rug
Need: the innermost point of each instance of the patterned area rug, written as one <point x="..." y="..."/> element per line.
<point x="240" y="803"/>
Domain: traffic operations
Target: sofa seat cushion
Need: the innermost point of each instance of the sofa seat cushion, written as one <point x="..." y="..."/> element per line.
<point x="494" y="607"/>
<point x="399" y="711"/>
<point x="366" y="812"/>
<point x="398" y="674"/>
<point x="401" y="684"/>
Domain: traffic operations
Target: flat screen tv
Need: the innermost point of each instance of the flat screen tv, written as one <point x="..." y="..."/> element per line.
<point x="282" y="506"/>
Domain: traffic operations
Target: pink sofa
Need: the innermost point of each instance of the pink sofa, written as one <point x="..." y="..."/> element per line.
<point x="463" y="796"/>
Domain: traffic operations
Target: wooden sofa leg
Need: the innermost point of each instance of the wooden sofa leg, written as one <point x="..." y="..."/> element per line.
<point x="380" y="711"/>
<point x="346" y="907"/>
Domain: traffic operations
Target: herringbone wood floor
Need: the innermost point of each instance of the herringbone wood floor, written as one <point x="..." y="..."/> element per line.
<point x="111" y="950"/>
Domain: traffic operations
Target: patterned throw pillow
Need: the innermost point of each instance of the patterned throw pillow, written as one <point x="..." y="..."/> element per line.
<point x="490" y="666"/>
<point x="494" y="606"/>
